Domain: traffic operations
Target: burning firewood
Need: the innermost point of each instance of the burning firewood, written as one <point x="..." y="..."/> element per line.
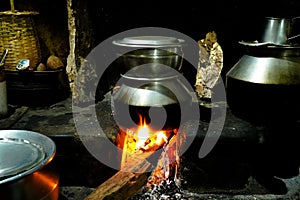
<point x="124" y="184"/>
<point x="165" y="181"/>
<point x="140" y="164"/>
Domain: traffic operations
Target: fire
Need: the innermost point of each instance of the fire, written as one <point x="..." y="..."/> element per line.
<point x="142" y="139"/>
<point x="147" y="138"/>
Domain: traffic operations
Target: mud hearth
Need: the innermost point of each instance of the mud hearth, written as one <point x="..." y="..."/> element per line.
<point x="245" y="164"/>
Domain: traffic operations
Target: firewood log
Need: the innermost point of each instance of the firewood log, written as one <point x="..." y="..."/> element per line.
<point x="124" y="184"/>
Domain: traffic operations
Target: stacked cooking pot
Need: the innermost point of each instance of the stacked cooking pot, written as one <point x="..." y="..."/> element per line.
<point x="264" y="85"/>
<point x="150" y="80"/>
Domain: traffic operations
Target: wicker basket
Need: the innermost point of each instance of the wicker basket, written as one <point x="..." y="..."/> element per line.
<point x="19" y="35"/>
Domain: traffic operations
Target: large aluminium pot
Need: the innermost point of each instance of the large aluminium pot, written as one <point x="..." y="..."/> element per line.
<point x="151" y="82"/>
<point x="144" y="88"/>
<point x="150" y="64"/>
<point x="24" y="166"/>
<point x="149" y="49"/>
<point x="264" y="84"/>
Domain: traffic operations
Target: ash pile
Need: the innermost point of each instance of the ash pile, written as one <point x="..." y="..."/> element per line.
<point x="165" y="190"/>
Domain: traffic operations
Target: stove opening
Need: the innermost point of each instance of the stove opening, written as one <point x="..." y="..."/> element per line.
<point x="144" y="139"/>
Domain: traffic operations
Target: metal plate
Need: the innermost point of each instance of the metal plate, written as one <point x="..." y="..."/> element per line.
<point x="17" y="155"/>
<point x="38" y="151"/>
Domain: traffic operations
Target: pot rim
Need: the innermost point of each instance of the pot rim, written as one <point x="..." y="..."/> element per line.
<point x="45" y="142"/>
<point x="149" y="42"/>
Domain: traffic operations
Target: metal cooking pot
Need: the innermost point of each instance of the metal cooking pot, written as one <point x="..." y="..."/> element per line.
<point x="150" y="81"/>
<point x="149" y="49"/>
<point x="36" y="88"/>
<point x="270" y="69"/>
<point x="154" y="85"/>
<point x="164" y="87"/>
<point x="24" y="166"/>
<point x="279" y="30"/>
<point x="265" y="83"/>
<point x="147" y="70"/>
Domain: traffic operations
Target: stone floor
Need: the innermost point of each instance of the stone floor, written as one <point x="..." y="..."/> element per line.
<point x="248" y="162"/>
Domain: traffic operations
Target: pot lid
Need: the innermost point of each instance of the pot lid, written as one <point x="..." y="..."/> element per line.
<point x="18" y="155"/>
<point x="149" y="41"/>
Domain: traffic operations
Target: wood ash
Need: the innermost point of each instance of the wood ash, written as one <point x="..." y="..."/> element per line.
<point x="165" y="190"/>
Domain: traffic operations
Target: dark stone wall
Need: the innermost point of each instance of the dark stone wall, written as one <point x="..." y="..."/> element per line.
<point x="233" y="20"/>
<point x="97" y="20"/>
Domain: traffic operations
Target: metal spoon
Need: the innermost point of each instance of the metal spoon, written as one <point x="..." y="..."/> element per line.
<point x="3" y="56"/>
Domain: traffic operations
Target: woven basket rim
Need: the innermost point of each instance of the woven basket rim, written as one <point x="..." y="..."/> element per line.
<point x="19" y="13"/>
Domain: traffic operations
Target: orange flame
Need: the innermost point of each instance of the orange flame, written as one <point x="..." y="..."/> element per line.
<point x="142" y="139"/>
